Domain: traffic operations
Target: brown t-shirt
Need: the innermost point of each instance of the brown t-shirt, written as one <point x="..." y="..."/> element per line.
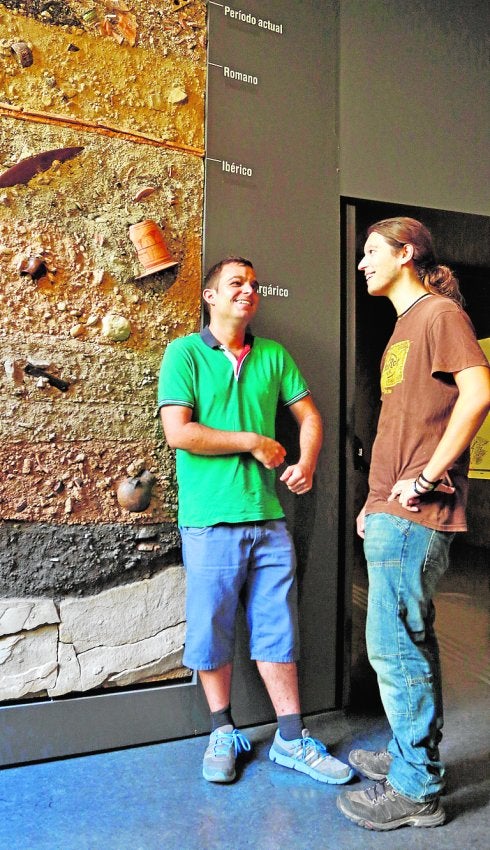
<point x="431" y="341"/>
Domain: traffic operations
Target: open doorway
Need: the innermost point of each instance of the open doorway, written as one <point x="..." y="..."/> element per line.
<point x="462" y="241"/>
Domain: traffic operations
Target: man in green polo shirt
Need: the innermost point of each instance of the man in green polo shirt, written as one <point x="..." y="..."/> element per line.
<point x="218" y="396"/>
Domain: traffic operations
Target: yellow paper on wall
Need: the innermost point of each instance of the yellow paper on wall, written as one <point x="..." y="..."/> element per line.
<point x="480" y="446"/>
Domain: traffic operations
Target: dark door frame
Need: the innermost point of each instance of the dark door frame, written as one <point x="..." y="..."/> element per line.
<point x="465" y="246"/>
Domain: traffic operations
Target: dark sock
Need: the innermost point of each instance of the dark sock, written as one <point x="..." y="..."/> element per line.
<point x="221" y="718"/>
<point x="290" y="726"/>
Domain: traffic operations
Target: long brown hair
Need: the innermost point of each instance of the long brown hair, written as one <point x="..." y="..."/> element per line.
<point x="436" y="278"/>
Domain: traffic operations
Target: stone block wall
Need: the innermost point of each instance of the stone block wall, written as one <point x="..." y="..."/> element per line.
<point x="126" y="634"/>
<point x="91" y="594"/>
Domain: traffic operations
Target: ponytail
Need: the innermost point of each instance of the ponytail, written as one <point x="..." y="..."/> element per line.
<point x="441" y="280"/>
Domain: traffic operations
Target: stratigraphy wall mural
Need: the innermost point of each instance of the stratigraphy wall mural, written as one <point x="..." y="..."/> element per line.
<point x="101" y="207"/>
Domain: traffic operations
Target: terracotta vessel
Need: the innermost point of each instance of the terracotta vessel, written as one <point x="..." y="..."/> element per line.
<point x="134" y="494"/>
<point x="153" y="253"/>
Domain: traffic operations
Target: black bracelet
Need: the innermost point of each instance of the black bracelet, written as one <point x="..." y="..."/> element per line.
<point x="417" y="484"/>
<point x="432" y="484"/>
<point x="427" y="488"/>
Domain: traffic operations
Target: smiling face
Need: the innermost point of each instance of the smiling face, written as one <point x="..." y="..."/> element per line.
<point x="382" y="265"/>
<point x="235" y="297"/>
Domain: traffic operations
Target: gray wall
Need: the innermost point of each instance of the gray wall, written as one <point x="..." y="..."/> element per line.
<point x="285" y="217"/>
<point x="414" y="102"/>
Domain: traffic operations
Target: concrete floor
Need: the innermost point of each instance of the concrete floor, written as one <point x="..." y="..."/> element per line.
<point x="153" y="797"/>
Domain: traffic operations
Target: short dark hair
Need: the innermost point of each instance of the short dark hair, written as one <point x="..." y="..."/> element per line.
<point x="211" y="279"/>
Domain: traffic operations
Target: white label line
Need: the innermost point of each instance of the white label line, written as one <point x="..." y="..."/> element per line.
<point x="215" y="65"/>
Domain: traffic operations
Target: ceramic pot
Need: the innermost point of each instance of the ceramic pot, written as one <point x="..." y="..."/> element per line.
<point x="134" y="494"/>
<point x="153" y="254"/>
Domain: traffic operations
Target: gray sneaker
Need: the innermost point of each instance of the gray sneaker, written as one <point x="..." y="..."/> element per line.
<point x="310" y="756"/>
<point x="374" y="765"/>
<point x="382" y="808"/>
<point x="224" y="745"/>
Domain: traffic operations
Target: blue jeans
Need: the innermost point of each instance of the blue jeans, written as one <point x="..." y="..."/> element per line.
<point x="405" y="561"/>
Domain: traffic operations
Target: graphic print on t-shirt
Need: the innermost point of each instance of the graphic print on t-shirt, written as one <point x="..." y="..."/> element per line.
<point x="394" y="365"/>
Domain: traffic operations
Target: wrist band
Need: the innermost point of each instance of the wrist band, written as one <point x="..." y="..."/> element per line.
<point x="432" y="484"/>
<point x="416" y="485"/>
<point x="427" y="488"/>
<point x="422" y="486"/>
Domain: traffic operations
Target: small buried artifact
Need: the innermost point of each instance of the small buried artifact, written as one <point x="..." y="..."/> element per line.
<point x="153" y="254"/>
<point x="27" y="168"/>
<point x="38" y="372"/>
<point x="33" y="266"/>
<point x="23" y="53"/>
<point x="134" y="494"/>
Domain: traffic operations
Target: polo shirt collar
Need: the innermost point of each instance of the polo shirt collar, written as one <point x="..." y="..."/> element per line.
<point x="211" y="340"/>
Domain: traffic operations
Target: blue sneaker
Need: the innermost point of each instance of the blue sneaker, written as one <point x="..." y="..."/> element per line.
<point x="310" y="756"/>
<point x="224" y="745"/>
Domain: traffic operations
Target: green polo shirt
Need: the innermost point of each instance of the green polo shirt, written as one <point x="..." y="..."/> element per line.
<point x="197" y="373"/>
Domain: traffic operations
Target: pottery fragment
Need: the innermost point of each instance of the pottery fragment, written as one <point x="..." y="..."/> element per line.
<point x="23" y="53"/>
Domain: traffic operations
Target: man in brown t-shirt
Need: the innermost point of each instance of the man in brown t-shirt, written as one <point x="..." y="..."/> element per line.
<point x="435" y="390"/>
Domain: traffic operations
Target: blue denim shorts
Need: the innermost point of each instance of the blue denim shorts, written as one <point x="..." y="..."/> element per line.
<point x="254" y="562"/>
